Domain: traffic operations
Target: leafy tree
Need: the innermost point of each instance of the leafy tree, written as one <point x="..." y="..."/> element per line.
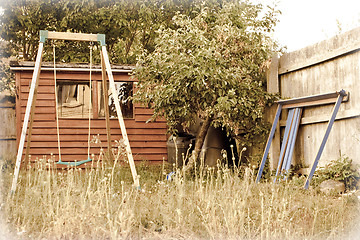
<point x="211" y="67"/>
<point x="129" y="25"/>
<point x="7" y="80"/>
<point x="22" y="20"/>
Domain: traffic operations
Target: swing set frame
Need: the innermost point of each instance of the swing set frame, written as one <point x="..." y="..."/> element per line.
<point x="30" y="107"/>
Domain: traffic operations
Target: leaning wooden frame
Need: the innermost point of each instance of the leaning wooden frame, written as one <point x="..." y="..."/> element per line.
<point x="298" y="103"/>
<point x="30" y="107"/>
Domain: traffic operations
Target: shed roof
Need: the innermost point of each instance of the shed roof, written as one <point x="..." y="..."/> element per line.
<point x="82" y="67"/>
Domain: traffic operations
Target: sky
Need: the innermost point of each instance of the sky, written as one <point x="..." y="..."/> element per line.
<point x="305" y="22"/>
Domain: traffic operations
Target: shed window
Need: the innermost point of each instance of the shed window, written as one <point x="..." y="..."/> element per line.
<point x="73" y="100"/>
<point x="124" y="92"/>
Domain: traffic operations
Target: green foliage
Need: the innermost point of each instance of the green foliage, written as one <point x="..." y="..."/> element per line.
<point x="211" y="66"/>
<point x="130" y="25"/>
<point x="22" y="20"/>
<point x="7" y="80"/>
<point x="341" y="169"/>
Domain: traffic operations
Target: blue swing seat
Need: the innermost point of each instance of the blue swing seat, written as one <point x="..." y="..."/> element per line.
<point x="77" y="163"/>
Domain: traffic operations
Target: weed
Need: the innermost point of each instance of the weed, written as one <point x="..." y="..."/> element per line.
<point x="214" y="203"/>
<point x="342" y="170"/>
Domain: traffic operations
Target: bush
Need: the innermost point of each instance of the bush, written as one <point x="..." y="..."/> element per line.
<point x="342" y="170"/>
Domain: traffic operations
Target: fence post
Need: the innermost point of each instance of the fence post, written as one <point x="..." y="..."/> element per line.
<point x="273" y="86"/>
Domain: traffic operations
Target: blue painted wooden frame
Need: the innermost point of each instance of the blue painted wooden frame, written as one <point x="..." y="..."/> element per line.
<point x="290" y="150"/>
<point x="288" y="143"/>
<point x="342" y="93"/>
<point x="299" y="103"/>
<point x="268" y="144"/>
<point x="284" y="142"/>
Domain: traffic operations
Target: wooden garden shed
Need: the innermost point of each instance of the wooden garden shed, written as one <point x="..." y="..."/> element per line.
<point x="147" y="139"/>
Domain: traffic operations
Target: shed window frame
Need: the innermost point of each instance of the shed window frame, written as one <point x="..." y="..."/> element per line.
<point x="126" y="104"/>
<point x="74" y="99"/>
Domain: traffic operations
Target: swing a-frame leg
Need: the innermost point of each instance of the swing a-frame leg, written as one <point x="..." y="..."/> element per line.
<point x="106" y="103"/>
<point x="30" y="107"/>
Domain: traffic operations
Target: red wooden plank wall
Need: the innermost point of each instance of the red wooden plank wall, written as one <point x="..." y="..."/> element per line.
<point x="147" y="140"/>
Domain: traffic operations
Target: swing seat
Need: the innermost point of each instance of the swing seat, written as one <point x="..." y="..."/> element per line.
<point x="77" y="163"/>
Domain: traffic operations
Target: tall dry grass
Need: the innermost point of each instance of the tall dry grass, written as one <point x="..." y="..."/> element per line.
<point x="212" y="203"/>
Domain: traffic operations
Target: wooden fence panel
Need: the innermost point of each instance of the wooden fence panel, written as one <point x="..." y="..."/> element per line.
<point x="7" y="130"/>
<point x="327" y="66"/>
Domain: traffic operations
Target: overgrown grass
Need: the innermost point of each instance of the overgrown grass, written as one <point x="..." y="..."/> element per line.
<point x="212" y="203"/>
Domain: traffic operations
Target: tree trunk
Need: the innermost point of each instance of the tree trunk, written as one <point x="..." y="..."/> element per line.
<point x="200" y="138"/>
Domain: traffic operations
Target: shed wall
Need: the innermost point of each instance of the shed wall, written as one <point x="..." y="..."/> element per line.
<point x="147" y="140"/>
